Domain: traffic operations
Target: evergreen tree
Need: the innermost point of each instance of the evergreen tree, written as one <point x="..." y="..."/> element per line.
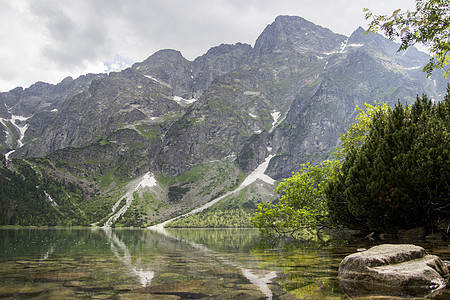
<point x="400" y="176"/>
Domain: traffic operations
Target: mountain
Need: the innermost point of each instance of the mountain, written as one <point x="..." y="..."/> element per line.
<point x="196" y="129"/>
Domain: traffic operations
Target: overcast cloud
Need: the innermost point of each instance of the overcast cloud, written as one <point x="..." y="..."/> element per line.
<point x="47" y="40"/>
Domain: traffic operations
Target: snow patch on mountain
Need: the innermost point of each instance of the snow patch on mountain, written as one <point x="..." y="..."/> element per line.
<point x="158" y="81"/>
<point x="20" y="128"/>
<point x="275" y="116"/>
<point x="252" y="93"/>
<point x="182" y="101"/>
<point x="148" y="181"/>
<point x="258" y="173"/>
<point x="344" y="48"/>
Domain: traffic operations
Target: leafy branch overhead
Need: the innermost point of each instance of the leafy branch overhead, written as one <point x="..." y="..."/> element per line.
<point x="428" y="25"/>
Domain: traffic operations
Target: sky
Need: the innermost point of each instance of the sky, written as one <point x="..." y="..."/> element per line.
<point x="48" y="40"/>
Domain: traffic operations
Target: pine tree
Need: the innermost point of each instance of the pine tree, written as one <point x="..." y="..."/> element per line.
<point x="399" y="177"/>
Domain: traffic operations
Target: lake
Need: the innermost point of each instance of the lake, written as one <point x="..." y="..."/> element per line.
<point x="176" y="264"/>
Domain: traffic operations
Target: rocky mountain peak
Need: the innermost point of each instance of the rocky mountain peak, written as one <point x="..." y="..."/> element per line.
<point x="164" y="55"/>
<point x="289" y="33"/>
<point x="227" y="48"/>
<point x="358" y="36"/>
<point x="169" y="68"/>
<point x="361" y="36"/>
<point x="377" y="43"/>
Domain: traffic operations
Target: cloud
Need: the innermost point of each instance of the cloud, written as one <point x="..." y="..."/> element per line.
<point x="75" y="32"/>
<point x="50" y="39"/>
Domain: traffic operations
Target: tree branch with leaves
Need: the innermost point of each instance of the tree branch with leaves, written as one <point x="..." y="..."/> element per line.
<point x="428" y="25"/>
<point x="302" y="204"/>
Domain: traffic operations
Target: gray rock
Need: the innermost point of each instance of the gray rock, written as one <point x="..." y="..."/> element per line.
<point x="393" y="270"/>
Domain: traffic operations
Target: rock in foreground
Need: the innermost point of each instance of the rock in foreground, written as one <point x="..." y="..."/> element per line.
<point x="393" y="270"/>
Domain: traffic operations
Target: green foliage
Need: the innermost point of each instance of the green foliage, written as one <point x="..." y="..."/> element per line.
<point x="302" y="204"/>
<point x="356" y="135"/>
<point x="176" y="193"/>
<point x="99" y="207"/>
<point x="107" y="178"/>
<point x="149" y="132"/>
<point x="194" y="174"/>
<point x="429" y="25"/>
<point x="234" y="211"/>
<point x="212" y="179"/>
<point x="144" y="203"/>
<point x="30" y="197"/>
<point x="230" y="218"/>
<point x="399" y="177"/>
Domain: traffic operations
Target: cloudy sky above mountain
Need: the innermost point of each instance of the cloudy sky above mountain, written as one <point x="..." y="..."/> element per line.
<point x="47" y="40"/>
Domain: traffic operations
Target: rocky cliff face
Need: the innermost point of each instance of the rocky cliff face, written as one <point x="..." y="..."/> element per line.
<point x="293" y="97"/>
<point x="290" y="96"/>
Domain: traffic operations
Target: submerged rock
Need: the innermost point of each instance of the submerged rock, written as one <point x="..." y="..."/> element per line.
<point x="393" y="270"/>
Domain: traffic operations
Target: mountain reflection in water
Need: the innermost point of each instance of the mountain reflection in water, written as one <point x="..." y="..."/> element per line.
<point x="174" y="264"/>
<point x="260" y="281"/>
<point x="117" y="245"/>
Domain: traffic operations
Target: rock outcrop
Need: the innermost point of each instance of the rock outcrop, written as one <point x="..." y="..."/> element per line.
<point x="393" y="270"/>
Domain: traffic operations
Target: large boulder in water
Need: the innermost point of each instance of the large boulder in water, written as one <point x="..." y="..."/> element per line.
<point x="393" y="270"/>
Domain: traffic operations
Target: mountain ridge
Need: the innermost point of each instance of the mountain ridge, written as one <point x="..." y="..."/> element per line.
<point x="200" y="126"/>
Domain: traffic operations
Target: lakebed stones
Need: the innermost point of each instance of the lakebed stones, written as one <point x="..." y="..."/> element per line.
<point x="393" y="270"/>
